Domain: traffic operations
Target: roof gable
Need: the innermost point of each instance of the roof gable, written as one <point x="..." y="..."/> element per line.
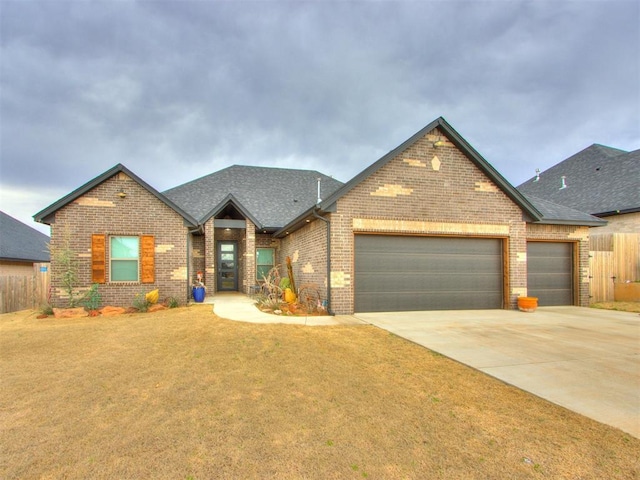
<point x="599" y="180"/>
<point x="269" y="197"/>
<point x="462" y="145"/>
<point x="45" y="215"/>
<point x="20" y="242"/>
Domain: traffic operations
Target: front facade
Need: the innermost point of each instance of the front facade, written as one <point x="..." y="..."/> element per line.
<point x="429" y="226"/>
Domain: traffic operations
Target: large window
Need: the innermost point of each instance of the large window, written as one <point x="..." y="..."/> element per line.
<point x="264" y="262"/>
<point x="124" y="257"/>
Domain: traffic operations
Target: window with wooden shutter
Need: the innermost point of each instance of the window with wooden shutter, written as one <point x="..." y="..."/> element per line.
<point x="147" y="259"/>
<point x="98" y="258"/>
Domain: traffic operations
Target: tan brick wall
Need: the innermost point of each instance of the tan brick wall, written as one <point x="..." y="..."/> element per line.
<point x="307" y="248"/>
<point x="579" y="236"/>
<point x="102" y="211"/>
<point x="438" y="191"/>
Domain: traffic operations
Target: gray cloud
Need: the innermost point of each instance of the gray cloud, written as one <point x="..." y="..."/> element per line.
<point x="176" y="90"/>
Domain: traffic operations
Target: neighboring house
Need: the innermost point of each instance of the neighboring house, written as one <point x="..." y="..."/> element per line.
<point x="599" y="180"/>
<point x="20" y="247"/>
<point x="604" y="182"/>
<point x="430" y="225"/>
<point x="24" y="265"/>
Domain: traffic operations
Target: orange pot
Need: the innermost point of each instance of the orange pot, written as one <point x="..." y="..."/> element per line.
<point x="527" y="304"/>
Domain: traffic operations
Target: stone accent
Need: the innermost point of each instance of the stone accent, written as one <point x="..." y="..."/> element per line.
<point x="94" y="202"/>
<point x="417" y="226"/>
<point x="70" y="312"/>
<point x="486" y="187"/>
<point x="391" y="190"/>
<point x="435" y="163"/>
<point x="415" y="163"/>
<point x="521" y="256"/>
<point x="340" y="279"/>
<point x="163" y="248"/>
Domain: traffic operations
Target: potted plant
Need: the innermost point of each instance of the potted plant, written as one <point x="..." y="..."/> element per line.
<point x="198" y="289"/>
<point x="527" y="304"/>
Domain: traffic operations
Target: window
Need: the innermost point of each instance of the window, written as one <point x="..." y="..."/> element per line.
<point x="264" y="262"/>
<point x="124" y="257"/>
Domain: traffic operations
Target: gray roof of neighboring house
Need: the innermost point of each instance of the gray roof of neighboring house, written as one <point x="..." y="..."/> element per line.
<point x="599" y="180"/>
<point x="553" y="213"/>
<point x="270" y="197"/>
<point x="20" y="242"/>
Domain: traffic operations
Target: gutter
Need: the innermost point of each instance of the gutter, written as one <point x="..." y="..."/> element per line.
<point x="315" y="214"/>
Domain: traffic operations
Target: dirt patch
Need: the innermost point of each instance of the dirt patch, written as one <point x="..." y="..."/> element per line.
<point x="182" y="394"/>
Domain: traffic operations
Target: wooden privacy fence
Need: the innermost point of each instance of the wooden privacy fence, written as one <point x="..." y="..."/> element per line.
<point x="21" y="292"/>
<point x="614" y="257"/>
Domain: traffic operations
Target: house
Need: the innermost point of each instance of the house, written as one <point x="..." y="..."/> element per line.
<point x="430" y="225"/>
<point x="599" y="180"/>
<point x="20" y="247"/>
<point x="24" y="265"/>
<point x="604" y="182"/>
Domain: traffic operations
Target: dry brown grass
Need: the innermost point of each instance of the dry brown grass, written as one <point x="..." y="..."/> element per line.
<point x="621" y="306"/>
<point x="183" y="394"/>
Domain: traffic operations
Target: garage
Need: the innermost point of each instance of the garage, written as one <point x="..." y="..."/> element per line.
<point x="405" y="273"/>
<point x="550" y="272"/>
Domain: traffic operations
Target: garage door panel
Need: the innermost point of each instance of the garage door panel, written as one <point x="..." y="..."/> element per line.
<point x="394" y="273"/>
<point x="418" y="282"/>
<point x="415" y="301"/>
<point x="550" y="272"/>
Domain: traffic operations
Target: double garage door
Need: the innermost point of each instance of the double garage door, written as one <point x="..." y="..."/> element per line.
<point x="403" y="273"/>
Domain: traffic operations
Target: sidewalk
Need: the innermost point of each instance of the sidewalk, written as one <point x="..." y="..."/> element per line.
<point x="240" y="307"/>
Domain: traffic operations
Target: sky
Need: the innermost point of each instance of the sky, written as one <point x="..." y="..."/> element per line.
<point x="176" y="90"/>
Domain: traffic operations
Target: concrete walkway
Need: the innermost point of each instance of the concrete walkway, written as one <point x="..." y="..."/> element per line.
<point x="240" y="307"/>
<point x="586" y="360"/>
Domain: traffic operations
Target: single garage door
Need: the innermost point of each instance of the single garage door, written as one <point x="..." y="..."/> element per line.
<point x="397" y="273"/>
<point x="550" y="272"/>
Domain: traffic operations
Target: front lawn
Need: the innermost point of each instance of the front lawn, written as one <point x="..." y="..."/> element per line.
<point x="183" y="394"/>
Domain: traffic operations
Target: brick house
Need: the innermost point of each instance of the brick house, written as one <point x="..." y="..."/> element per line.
<point x="430" y="225"/>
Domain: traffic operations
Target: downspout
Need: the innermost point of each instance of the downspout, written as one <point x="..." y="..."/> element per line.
<point x="315" y="214"/>
<point x="189" y="234"/>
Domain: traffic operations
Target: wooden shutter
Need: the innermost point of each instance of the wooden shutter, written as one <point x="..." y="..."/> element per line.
<point x="98" y="258"/>
<point x="147" y="259"/>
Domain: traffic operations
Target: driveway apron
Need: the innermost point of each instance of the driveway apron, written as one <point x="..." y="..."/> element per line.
<point x="586" y="360"/>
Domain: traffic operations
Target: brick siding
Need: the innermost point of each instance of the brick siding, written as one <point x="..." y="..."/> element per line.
<point x="102" y="211"/>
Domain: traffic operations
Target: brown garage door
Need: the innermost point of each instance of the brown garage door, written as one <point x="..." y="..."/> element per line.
<point x="397" y="273"/>
<point x="550" y="272"/>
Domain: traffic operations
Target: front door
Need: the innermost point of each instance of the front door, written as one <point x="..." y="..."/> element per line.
<point x="227" y="278"/>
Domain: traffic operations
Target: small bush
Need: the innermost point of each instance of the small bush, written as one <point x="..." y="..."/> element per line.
<point x="92" y="299"/>
<point x="172" y="302"/>
<point x="46" y="309"/>
<point x="141" y="303"/>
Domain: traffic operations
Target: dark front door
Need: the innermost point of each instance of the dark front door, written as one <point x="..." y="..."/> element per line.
<point x="227" y="278"/>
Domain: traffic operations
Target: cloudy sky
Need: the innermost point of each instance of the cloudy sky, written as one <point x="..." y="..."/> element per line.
<point x="176" y="90"/>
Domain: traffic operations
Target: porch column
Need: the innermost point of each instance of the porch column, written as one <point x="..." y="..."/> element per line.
<point x="249" y="277"/>
<point x="210" y="256"/>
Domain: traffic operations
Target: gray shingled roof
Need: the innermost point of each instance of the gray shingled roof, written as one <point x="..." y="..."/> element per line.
<point x="20" y="242"/>
<point x="552" y="213"/>
<point x="599" y="180"/>
<point x="273" y="196"/>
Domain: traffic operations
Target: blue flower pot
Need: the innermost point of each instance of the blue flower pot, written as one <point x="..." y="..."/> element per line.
<point x="198" y="294"/>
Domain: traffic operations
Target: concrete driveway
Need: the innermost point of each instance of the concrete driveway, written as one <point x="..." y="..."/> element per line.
<point x="586" y="360"/>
